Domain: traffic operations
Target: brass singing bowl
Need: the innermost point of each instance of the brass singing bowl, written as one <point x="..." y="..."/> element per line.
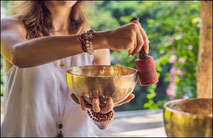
<point x="102" y="81"/>
<point x="188" y="118"/>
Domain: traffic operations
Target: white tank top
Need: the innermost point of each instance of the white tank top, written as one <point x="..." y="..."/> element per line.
<point x="32" y="97"/>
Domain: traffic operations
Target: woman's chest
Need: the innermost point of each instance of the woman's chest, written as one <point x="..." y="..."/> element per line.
<point x="52" y="74"/>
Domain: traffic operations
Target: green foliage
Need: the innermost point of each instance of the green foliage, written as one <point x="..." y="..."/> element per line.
<point x="6" y="5"/>
<point x="100" y="20"/>
<point x="171" y="27"/>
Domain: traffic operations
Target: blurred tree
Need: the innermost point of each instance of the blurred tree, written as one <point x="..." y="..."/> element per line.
<point x="204" y="68"/>
<point x="99" y="20"/>
<point x="173" y="31"/>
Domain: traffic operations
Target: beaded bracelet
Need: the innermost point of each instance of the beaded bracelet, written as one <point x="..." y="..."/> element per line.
<point x="98" y="117"/>
<point x="86" y="41"/>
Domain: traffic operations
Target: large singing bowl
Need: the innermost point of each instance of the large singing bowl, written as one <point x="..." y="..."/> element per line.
<point x="188" y="118"/>
<point x="102" y="81"/>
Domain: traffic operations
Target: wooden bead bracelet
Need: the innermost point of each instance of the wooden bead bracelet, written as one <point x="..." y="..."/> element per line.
<point x="99" y="117"/>
<point x="86" y="41"/>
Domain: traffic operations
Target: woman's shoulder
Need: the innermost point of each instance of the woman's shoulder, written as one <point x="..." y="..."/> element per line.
<point x="11" y="22"/>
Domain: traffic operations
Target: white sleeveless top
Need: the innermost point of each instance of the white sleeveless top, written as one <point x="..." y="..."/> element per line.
<point x="32" y="98"/>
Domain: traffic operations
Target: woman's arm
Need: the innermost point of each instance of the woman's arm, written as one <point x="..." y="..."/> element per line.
<point x="27" y="53"/>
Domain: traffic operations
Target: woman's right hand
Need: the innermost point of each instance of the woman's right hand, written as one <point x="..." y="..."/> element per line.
<point x="131" y="37"/>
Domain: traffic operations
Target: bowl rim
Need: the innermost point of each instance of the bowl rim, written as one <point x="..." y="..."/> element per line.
<point x="165" y="107"/>
<point x="67" y="71"/>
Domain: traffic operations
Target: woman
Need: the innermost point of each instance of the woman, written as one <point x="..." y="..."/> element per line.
<point x="37" y="42"/>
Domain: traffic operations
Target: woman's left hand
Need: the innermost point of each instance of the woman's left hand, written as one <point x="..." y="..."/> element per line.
<point x="96" y="104"/>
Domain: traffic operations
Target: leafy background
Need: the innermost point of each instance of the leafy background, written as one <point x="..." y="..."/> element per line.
<point x="173" y="31"/>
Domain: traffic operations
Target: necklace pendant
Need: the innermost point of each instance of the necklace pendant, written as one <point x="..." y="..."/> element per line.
<point x="60" y="135"/>
<point x="60" y="126"/>
<point x="62" y="65"/>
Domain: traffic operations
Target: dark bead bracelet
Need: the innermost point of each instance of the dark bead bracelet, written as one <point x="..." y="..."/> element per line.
<point x="99" y="117"/>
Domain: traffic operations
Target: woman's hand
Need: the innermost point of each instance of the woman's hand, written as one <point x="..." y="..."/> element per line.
<point x="131" y="37"/>
<point x="96" y="104"/>
<point x="100" y="109"/>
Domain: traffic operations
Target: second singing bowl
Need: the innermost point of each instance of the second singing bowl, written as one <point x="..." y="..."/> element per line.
<point x="188" y="118"/>
<point x="102" y="81"/>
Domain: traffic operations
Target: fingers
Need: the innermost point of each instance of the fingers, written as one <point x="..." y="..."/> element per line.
<point x="145" y="38"/>
<point x="96" y="105"/>
<point x="140" y="42"/>
<point x="142" y="36"/>
<point x="128" y="99"/>
<point x="74" y="98"/>
<point x="109" y="106"/>
<point x="131" y="50"/>
<point x="134" y="19"/>
<point x="84" y="105"/>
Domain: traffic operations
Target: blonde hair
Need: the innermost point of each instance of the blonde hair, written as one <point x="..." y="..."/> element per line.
<point x="37" y="18"/>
